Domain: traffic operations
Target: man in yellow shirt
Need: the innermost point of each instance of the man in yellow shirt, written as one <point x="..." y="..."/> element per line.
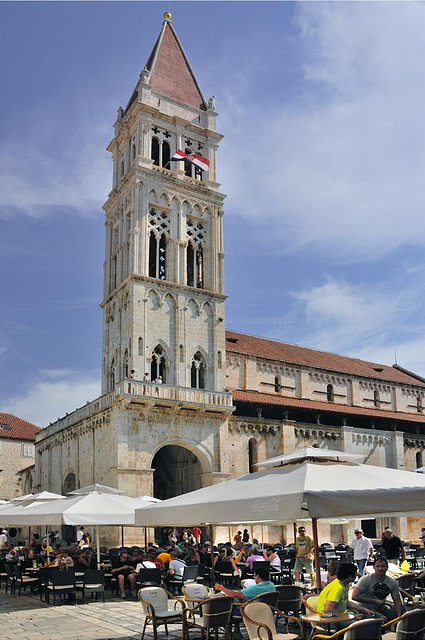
<point x="304" y="546"/>
<point x="334" y="597"/>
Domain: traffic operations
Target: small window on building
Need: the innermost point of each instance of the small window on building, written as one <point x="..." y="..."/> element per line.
<point x="27" y="450"/>
<point x="330" y="395"/>
<point x="5" y="425"/>
<point x="190" y="265"/>
<point x="419" y="406"/>
<point x="133" y="151"/>
<point x="197" y="372"/>
<point x="188" y="165"/>
<point x="376" y="399"/>
<point x="155" y="151"/>
<point x="252" y="455"/>
<point x="166" y="155"/>
<point x="181" y="353"/>
<point x="419" y="462"/>
<point x="140" y="345"/>
<point x="219" y="360"/>
<point x="277" y="384"/>
<point x="158" y="364"/>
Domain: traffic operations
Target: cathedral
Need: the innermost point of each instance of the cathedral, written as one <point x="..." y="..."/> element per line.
<point x="184" y="402"/>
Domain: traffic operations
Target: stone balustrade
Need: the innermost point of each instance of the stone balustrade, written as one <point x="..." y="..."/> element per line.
<point x="185" y="395"/>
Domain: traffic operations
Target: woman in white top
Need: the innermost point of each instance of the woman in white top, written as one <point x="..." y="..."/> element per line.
<point x="271" y="555"/>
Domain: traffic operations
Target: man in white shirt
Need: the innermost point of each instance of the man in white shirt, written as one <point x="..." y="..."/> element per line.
<point x="80" y="534"/>
<point x="176" y="567"/>
<point x="3" y="539"/>
<point x="363" y="550"/>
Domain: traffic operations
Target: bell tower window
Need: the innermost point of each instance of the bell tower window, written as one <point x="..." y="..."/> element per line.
<point x="197" y="372"/>
<point x="166" y="155"/>
<point x="155" y="151"/>
<point x="330" y="395"/>
<point x="158" y="364"/>
<point x="190" y="265"/>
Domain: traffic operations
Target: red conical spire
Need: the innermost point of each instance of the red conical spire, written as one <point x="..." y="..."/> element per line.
<point x="170" y="70"/>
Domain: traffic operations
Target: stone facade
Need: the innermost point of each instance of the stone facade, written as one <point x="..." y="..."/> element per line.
<point x="219" y="405"/>
<point x="16" y="455"/>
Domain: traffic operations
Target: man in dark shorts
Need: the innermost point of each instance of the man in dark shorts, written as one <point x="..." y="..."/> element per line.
<point x="125" y="571"/>
<point x="392" y="546"/>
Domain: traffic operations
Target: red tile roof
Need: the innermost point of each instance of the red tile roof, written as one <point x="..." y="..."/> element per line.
<point x="17" y="428"/>
<point x="171" y="73"/>
<point x="255" y="397"/>
<point x="296" y="355"/>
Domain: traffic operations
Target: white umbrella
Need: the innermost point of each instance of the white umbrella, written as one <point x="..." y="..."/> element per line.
<point x="43" y="496"/>
<point x="310" y="453"/>
<point x="293" y="491"/>
<point x="93" y="508"/>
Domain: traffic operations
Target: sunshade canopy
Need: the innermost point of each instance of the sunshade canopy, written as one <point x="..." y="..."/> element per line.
<point x="310" y="453"/>
<point x="43" y="496"/>
<point x="289" y="493"/>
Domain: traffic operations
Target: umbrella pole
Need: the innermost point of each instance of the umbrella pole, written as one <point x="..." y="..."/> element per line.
<point x="295" y="532"/>
<point x="98" y="546"/>
<point x="29" y="536"/>
<point x="211" y="537"/>
<point x="316" y="555"/>
<point x="146" y="538"/>
<point x="122" y="536"/>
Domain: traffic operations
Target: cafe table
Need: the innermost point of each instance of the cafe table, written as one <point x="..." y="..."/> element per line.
<point x="327" y="620"/>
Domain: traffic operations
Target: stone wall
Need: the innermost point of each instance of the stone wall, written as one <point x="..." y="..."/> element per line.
<point x="11" y="462"/>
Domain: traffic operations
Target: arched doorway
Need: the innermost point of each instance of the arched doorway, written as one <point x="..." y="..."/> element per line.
<point x="176" y="470"/>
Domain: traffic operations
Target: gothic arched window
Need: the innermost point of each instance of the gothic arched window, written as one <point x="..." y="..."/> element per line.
<point x="162" y="257"/>
<point x="190" y="265"/>
<point x="133" y="151"/>
<point x="140" y="346"/>
<point x="153" y="252"/>
<point x="330" y="394"/>
<point x="69" y="484"/>
<point x="376" y="398"/>
<point x="125" y="367"/>
<point x="197" y="371"/>
<point x="112" y="375"/>
<point x="188" y="165"/>
<point x="166" y="155"/>
<point x="155" y="151"/>
<point x="252" y="455"/>
<point x="158" y="364"/>
<point x="200" y="268"/>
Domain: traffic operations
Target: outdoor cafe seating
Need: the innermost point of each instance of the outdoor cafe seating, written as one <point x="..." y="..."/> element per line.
<point x="155" y="603"/>
<point x="259" y="615"/>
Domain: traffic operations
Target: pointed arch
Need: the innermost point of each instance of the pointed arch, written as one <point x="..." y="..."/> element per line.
<point x="155" y="151"/>
<point x="190" y="264"/>
<point x="154" y="299"/>
<point x="198" y="371"/>
<point x="419" y="461"/>
<point x="140" y="346"/>
<point x="125" y="364"/>
<point x="252" y="454"/>
<point x="193" y="307"/>
<point x="159" y="364"/>
<point x="166" y="155"/>
<point x="153" y="198"/>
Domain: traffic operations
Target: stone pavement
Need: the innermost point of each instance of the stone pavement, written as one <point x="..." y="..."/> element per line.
<point x="27" y="618"/>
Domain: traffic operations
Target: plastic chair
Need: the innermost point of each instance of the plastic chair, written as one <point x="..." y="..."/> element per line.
<point x="216" y="614"/>
<point x="259" y="615"/>
<point x="361" y="630"/>
<point x="310" y="602"/>
<point x="93" y="582"/>
<point x="410" y="625"/>
<point x="155" y="606"/>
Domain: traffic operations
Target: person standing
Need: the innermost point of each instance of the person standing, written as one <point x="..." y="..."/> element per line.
<point x="3" y="539"/>
<point x="196" y="531"/>
<point x="245" y="536"/>
<point x="422" y="536"/>
<point x="392" y="546"/>
<point x="304" y="546"/>
<point x="363" y="549"/>
<point x="80" y="534"/>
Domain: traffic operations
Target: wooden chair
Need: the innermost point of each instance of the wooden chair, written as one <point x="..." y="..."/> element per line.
<point x="155" y="607"/>
<point x="260" y="623"/>
<point x="215" y="616"/>
<point x="410" y="625"/>
<point x="194" y="592"/>
<point x="361" y="630"/>
<point x="310" y="601"/>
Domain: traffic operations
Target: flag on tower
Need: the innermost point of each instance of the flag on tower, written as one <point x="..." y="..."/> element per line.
<point x="199" y="161"/>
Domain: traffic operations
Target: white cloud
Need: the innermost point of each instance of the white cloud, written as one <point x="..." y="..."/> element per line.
<point x="51" y="394"/>
<point x="342" y="170"/>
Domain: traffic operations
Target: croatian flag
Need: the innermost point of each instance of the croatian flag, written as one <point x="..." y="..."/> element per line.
<point x="199" y="161"/>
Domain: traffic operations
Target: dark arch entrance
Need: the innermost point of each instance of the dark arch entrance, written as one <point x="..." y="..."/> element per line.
<point x="176" y="470"/>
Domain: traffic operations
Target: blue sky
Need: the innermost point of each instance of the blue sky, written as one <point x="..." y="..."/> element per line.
<point x="323" y="161"/>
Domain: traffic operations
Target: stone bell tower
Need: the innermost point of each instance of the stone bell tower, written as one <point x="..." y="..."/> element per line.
<point x="163" y="303"/>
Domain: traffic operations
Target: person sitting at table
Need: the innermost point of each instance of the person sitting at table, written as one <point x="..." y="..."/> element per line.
<point x="271" y="555"/>
<point x="176" y="567"/>
<point x="262" y="585"/>
<point x="334" y="597"/>
<point x="84" y="560"/>
<point x="145" y="563"/>
<point x="125" y="572"/>
<point x="135" y="554"/>
<point x="163" y="557"/>
<point x="35" y="543"/>
<point x="330" y="574"/>
<point x="243" y="554"/>
<point x="254" y="557"/>
<point x="374" y="589"/>
<point x="192" y="557"/>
